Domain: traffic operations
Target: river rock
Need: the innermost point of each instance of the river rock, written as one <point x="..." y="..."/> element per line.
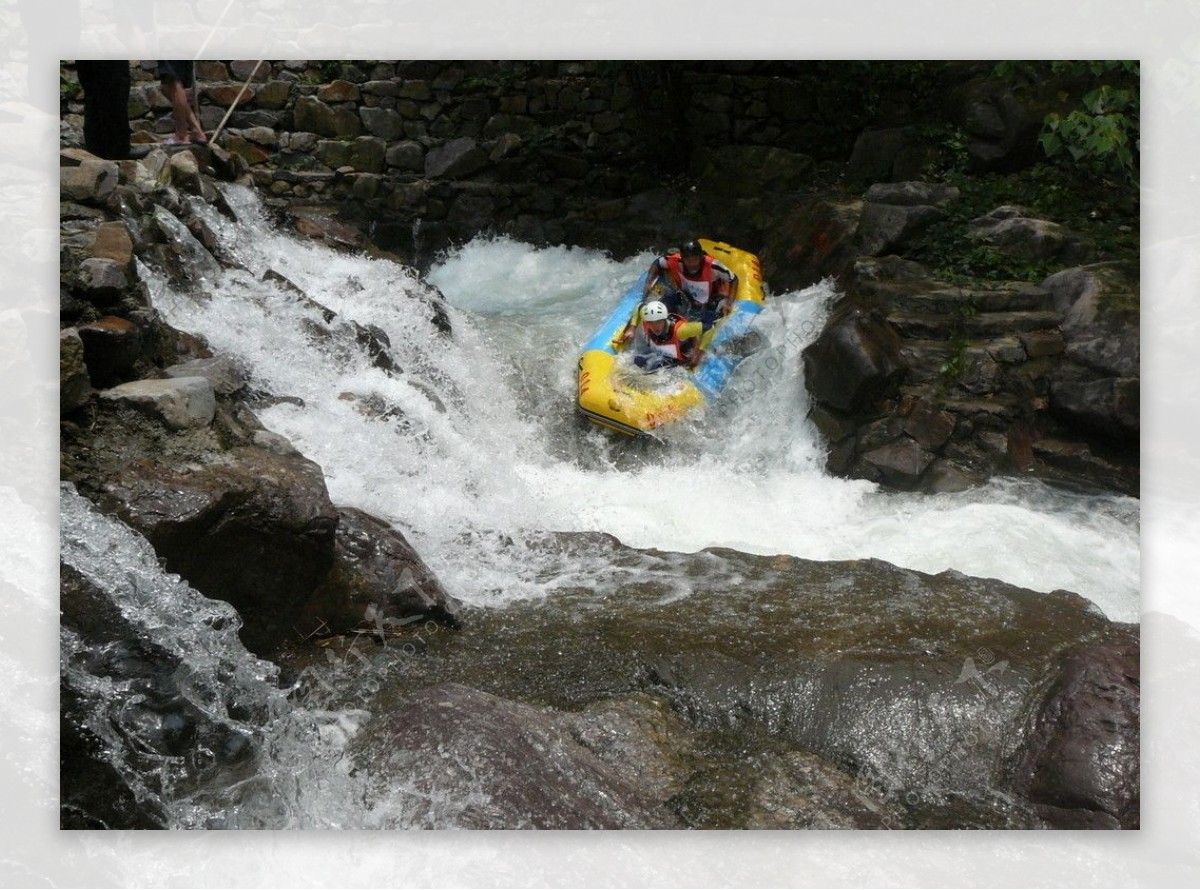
<point x="812" y="242"/>
<point x="94" y="793"/>
<point x="1097" y="304"/>
<point x="181" y="403"/>
<point x="188" y="261"/>
<point x="922" y="687"/>
<point x="102" y="279"/>
<point x="893" y="213"/>
<point x="1098" y="383"/>
<point x="802" y="791"/>
<point x="246" y="524"/>
<point x="378" y="583"/>
<point x="883" y="228"/>
<point x="91" y="182"/>
<point x="1110" y="406"/>
<point x="74" y="385"/>
<point x="474" y="760"/>
<point x="900" y="463"/>
<point x="1032" y="240"/>
<point x="111" y="347"/>
<point x="112" y="242"/>
<point x="225" y="374"/>
<point x="911" y="193"/>
<point x="1082" y="760"/>
<point x="854" y="362"/>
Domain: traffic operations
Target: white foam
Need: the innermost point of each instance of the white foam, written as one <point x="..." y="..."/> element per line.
<point x="507" y="458"/>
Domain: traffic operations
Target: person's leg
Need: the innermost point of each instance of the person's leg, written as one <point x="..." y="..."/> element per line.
<point x="105" y="107"/>
<point x="176" y="77"/>
<point x="176" y="95"/>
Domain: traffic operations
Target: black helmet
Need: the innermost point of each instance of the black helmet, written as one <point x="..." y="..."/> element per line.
<point x="692" y="248"/>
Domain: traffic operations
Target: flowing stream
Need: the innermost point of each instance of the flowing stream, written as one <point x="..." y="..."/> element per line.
<point x="479" y="456"/>
<point x="485" y="448"/>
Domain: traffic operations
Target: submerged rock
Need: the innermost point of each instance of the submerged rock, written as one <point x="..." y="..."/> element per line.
<point x="473" y="760"/>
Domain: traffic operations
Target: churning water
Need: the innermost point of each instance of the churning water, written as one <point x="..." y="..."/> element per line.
<point x="475" y="452"/>
<point x="479" y="448"/>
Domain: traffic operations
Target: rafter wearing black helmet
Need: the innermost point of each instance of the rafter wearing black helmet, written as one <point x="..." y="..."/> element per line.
<point x="697" y="285"/>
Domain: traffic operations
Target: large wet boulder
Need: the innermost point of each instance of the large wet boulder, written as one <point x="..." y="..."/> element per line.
<point x="74" y="384"/>
<point x="255" y="529"/>
<point x="235" y="510"/>
<point x="1082" y="761"/>
<point x="1098" y="383"/>
<point x="180" y="403"/>
<point x="378" y="583"/>
<point x="475" y="760"/>
<point x="929" y="688"/>
<point x="810" y="242"/>
<point x="854" y="362"/>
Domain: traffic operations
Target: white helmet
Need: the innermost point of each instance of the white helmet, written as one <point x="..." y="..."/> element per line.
<point x="655" y="310"/>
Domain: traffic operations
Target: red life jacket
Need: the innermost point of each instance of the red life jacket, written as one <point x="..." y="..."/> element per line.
<point x="699" y="286"/>
<point x="668" y="343"/>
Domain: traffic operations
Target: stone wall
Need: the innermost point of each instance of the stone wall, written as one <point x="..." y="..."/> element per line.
<point x="546" y="151"/>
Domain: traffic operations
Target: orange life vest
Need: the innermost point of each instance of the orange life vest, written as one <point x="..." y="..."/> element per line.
<point x="699" y="286"/>
<point x="668" y="343"/>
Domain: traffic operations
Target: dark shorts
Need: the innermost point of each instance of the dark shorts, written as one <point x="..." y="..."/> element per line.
<point x="180" y="71"/>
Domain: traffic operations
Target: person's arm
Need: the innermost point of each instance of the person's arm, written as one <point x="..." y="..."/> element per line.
<point x="693" y="330"/>
<point x="727" y="284"/>
<point x="652" y="277"/>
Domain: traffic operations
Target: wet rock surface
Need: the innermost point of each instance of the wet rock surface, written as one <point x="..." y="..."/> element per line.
<point x="824" y="694"/>
<point x="503" y="764"/>
<point x="1036" y="367"/>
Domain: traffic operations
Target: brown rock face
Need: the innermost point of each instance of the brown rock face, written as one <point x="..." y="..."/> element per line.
<point x="854" y="362"/>
<point x="505" y="764"/>
<point x="378" y="583"/>
<point x="256" y="530"/>
<point x="1082" y="760"/>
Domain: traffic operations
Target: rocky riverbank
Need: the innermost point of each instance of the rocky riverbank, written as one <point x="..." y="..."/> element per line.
<point x="776" y="693"/>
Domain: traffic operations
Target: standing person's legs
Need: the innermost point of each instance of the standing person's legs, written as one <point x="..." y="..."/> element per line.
<point x="176" y="78"/>
<point x="105" y="107"/>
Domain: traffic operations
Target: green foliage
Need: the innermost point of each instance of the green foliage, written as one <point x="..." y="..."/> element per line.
<point x="980" y="262"/>
<point x="1102" y="135"/>
<point x="68" y="87"/>
<point x="1065" y="193"/>
<point x="951" y="140"/>
<point x="954" y="365"/>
